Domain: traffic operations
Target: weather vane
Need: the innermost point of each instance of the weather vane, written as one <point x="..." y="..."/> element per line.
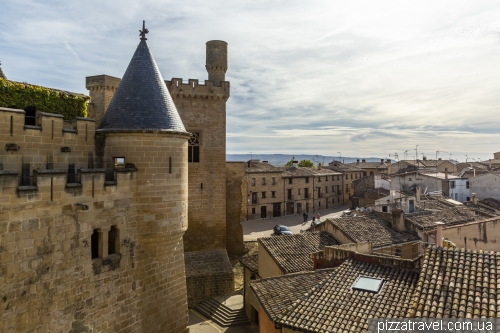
<point x="144" y="31"/>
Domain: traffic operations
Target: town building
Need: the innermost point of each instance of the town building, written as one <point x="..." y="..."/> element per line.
<point x="438" y="165"/>
<point x="369" y="189"/>
<point x="278" y="191"/>
<point x="485" y="185"/>
<point x="372" y="168"/>
<point x="350" y="174"/>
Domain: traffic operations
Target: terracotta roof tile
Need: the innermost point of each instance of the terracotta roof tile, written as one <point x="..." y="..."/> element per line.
<point x="372" y="229"/>
<point x="291" y="252"/>
<point x="457" y="284"/>
<point x="251" y="262"/>
<point x="333" y="306"/>
<point x="277" y="293"/>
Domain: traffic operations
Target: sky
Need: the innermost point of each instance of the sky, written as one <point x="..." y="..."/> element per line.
<point x="363" y="78"/>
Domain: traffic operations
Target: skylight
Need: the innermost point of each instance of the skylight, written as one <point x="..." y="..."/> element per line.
<point x="369" y="284"/>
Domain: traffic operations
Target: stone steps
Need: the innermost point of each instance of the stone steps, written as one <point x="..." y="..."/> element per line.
<point x="221" y="314"/>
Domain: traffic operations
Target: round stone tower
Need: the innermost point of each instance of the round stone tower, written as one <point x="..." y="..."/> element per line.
<point x="142" y="130"/>
<point x="216" y="60"/>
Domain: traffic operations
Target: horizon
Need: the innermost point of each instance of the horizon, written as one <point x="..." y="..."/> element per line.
<point x="363" y="78"/>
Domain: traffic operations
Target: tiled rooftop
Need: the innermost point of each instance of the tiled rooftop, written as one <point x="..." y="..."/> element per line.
<point x="291" y="252"/>
<point x="491" y="202"/>
<point x="340" y="167"/>
<point x="306" y="172"/>
<point x="372" y="229"/>
<point x="251" y="262"/>
<point x="332" y="306"/>
<point x="368" y="165"/>
<point x="277" y="293"/>
<point x="257" y="166"/>
<point x="457" y="284"/>
<point x="449" y="216"/>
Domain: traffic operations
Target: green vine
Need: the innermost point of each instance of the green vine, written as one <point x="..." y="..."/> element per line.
<point x="22" y="96"/>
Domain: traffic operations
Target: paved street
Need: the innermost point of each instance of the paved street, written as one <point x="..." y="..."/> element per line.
<point x="254" y="229"/>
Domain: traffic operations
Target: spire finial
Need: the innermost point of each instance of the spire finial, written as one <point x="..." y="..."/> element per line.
<point x="144" y="31"/>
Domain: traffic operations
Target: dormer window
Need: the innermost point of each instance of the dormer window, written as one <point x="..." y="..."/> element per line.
<point x="369" y="284"/>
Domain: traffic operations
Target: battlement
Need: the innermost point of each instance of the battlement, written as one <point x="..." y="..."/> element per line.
<point x="194" y="89"/>
<point x="103" y="81"/>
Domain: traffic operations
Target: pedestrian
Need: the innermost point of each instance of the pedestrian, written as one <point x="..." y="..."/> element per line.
<point x="314" y="219"/>
<point x="304" y="215"/>
<point x="318" y="217"/>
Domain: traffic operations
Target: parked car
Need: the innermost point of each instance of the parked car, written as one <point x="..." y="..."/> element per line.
<point x="281" y="230"/>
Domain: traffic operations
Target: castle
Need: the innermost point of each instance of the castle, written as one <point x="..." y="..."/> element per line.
<point x="96" y="230"/>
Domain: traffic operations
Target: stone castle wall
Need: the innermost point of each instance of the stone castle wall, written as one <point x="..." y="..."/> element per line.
<point x="235" y="209"/>
<point x="202" y="109"/>
<point x="51" y="230"/>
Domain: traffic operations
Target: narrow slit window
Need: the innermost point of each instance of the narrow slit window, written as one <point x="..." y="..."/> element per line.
<point x="113" y="240"/>
<point x="94" y="241"/>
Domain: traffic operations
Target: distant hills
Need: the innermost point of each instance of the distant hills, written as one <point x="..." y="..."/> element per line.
<point x="281" y="159"/>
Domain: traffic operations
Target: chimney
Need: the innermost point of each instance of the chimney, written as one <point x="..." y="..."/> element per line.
<point x="424" y="158"/>
<point x="398" y="219"/>
<point x="357" y="161"/>
<point x="439" y="158"/>
<point x="419" y="193"/>
<point x="319" y="166"/>
<point x="363" y="160"/>
<point x="474" y="172"/>
<point x="295" y="164"/>
<point x="439" y="234"/>
<point x="474" y="198"/>
<point x="381" y="161"/>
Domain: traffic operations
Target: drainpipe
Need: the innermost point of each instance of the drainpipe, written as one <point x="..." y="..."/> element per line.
<point x="439" y="234"/>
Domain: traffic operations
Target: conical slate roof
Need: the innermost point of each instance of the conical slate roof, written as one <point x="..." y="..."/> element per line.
<point x="142" y="101"/>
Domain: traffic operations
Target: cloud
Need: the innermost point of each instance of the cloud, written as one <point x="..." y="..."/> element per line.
<point x="363" y="77"/>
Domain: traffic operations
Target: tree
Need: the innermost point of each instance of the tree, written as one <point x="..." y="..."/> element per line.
<point x="302" y="164"/>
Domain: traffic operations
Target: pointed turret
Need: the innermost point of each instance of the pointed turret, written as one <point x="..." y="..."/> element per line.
<point x="142" y="101"/>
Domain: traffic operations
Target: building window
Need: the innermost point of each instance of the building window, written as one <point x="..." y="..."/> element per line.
<point x="452" y="184"/>
<point x="273" y="194"/>
<point x="273" y="181"/>
<point x="307" y="179"/>
<point x="346" y="176"/>
<point x="306" y="193"/>
<point x="263" y="181"/>
<point x="113" y="240"/>
<point x="351" y="175"/>
<point x="254" y="197"/>
<point x="371" y="173"/>
<point x="356" y="176"/>
<point x="290" y="181"/>
<point x="409" y="179"/>
<point x="253" y="181"/>
<point x="467" y="185"/>
<point x="94" y="241"/>
<point x="468" y="198"/>
<point x="119" y="162"/>
<point x="290" y="194"/>
<point x="347" y="187"/>
<point x="326" y="189"/>
<point x="299" y="191"/>
<point x="263" y="195"/>
<point x="319" y="203"/>
<point x="319" y="179"/>
<point x="253" y="211"/>
<point x="326" y="178"/>
<point x="194" y="148"/>
<point x="338" y="177"/>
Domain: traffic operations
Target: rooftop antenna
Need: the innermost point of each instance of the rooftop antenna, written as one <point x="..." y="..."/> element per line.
<point x="144" y="31"/>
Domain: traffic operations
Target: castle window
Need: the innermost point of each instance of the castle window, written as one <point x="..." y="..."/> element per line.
<point x="119" y="162"/>
<point x="71" y="174"/>
<point x="30" y="116"/>
<point x="113" y="240"/>
<point x="194" y="148"/>
<point x="94" y="240"/>
<point x="273" y="194"/>
<point x="263" y="195"/>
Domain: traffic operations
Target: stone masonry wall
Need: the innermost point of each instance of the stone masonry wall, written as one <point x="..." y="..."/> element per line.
<point x="202" y="109"/>
<point x="235" y="189"/>
<point x="49" y="281"/>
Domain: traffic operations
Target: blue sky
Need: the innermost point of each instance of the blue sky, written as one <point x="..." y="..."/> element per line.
<point x="367" y="78"/>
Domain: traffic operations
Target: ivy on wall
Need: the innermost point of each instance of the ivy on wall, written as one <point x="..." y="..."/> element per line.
<point x="22" y="96"/>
